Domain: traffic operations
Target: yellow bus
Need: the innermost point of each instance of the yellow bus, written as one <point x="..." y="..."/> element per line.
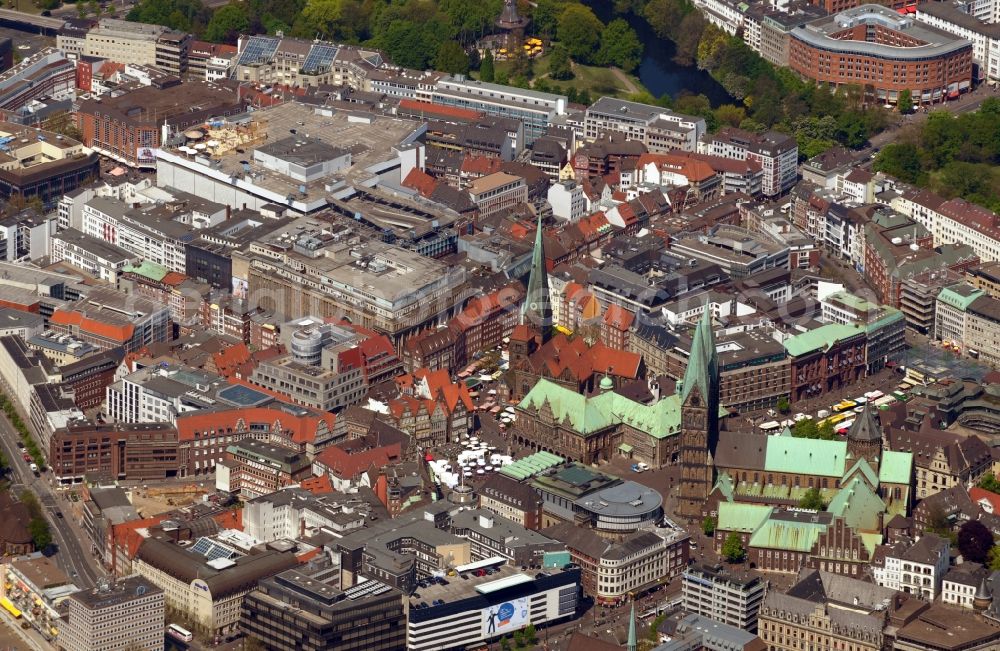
<point x="833" y="420"/>
<point x="845" y="405"/>
<point x="9" y="606"/>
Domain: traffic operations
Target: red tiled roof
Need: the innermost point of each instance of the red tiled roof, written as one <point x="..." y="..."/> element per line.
<point x="420" y="181"/>
<point x="301" y="428"/>
<point x="349" y="465"/>
<point x="977" y="494"/>
<point x="431" y="108"/>
<point x="693" y="169"/>
<point x="309" y="555"/>
<point x="127" y="536"/>
<point x="120" y="334"/>
<point x="618" y="317"/>
<point x="480" y="165"/>
<point x="228" y="360"/>
<point x="229" y="519"/>
<point x="173" y="278"/>
<point x="317" y="485"/>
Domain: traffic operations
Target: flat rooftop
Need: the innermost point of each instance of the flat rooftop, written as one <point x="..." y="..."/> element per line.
<point x="465" y="585"/>
<point x="823" y="33"/>
<point x="386" y="272"/>
<point x="369" y="141"/>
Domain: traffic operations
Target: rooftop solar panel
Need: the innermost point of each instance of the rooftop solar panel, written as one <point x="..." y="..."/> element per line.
<point x="319" y="58"/>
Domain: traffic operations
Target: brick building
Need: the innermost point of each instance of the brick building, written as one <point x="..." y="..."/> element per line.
<point x="118" y="451"/>
<point x="876" y="47"/>
<point x="825" y="359"/>
<point x="128" y="127"/>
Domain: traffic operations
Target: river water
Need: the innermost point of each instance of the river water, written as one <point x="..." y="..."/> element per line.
<point x="658" y="72"/>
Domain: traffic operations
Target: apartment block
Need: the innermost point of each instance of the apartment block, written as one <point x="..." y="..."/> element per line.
<point x="658" y="129"/>
<point x="776" y="153"/>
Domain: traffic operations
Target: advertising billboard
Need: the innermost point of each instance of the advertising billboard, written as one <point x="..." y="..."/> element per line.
<point x="505" y="617"/>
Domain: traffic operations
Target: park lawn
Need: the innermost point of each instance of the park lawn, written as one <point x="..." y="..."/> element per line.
<point x="595" y="80"/>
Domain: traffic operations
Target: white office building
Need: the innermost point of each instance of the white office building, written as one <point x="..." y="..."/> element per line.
<point x="723" y="596"/>
<point x="568" y="201"/>
<point x="127" y="614"/>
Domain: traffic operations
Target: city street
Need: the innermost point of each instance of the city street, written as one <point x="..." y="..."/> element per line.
<point x="73" y="556"/>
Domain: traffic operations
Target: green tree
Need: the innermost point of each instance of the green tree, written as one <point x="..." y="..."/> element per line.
<point x="902" y="160"/>
<point x="471" y="18"/>
<point x="989" y="482"/>
<point x="40" y="534"/>
<point x="545" y="17"/>
<point x="812" y="500"/>
<point x="620" y="46"/>
<point x="451" y="57"/>
<point x="905" y="101"/>
<point x="185" y="15"/>
<point x="783" y="405"/>
<point x="732" y="549"/>
<point x="994" y="558"/>
<point x="560" y="67"/>
<point x="339" y="20"/>
<point x="826" y="431"/>
<point x="730" y="115"/>
<point x="81" y="10"/>
<point x="407" y="44"/>
<point x="519" y="639"/>
<point x="227" y="24"/>
<point x="505" y="643"/>
<point x="530" y="635"/>
<point x="62" y="122"/>
<point x="937" y="521"/>
<point x="805" y="429"/>
<point x="486" y="68"/>
<point x="580" y="32"/>
<point x="708" y="526"/>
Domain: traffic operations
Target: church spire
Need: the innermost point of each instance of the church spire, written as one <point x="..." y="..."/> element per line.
<point x="703" y="359"/>
<point x="632" y="642"/>
<point x="537" y="308"/>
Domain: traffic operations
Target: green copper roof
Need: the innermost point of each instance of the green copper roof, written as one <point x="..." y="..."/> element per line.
<point x="531" y="465"/>
<point x="734" y="516"/>
<point x="148" y="269"/>
<point x="852" y="301"/>
<point x="588" y="415"/>
<point x="896" y="467"/>
<point x="787" y="535"/>
<point x="889" y="316"/>
<point x="724" y="484"/>
<point x="703" y="360"/>
<point x="584" y="416"/>
<point x="858" y="505"/>
<point x="537" y="308"/>
<point x="959" y="296"/>
<point x="862" y="467"/>
<point x="794" y="455"/>
<point x="821" y="338"/>
<point x="871" y="541"/>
